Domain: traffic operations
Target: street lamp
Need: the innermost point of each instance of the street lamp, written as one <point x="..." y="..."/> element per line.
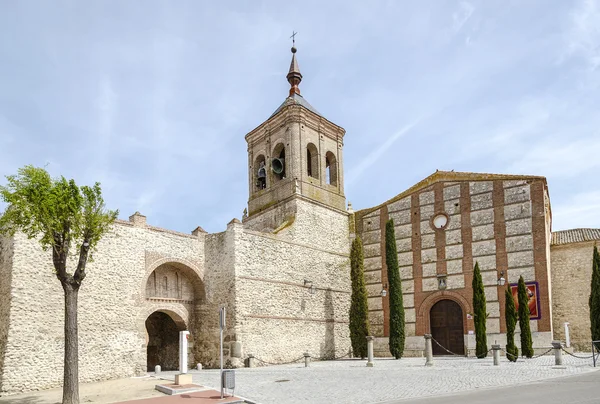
<point x="501" y="280"/>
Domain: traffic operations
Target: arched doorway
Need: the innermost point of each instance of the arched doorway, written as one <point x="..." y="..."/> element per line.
<point x="446" y="321"/>
<point x="163" y="341"/>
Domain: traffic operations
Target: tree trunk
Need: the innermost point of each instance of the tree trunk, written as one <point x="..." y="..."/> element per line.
<point x="71" y="365"/>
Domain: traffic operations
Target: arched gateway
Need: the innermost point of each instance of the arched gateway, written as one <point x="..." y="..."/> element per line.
<point x="446" y="321"/>
<point x="173" y="291"/>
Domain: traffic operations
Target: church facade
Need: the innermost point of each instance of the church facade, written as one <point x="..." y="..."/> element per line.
<point x="282" y="272"/>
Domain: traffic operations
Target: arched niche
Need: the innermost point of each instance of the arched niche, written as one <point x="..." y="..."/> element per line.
<point x="174" y="281"/>
<point x="312" y="161"/>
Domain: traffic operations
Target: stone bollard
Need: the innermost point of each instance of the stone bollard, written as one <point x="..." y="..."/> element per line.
<point x="157" y="369"/>
<point x="199" y="366"/>
<point x="251" y="360"/>
<point x="428" y="351"/>
<point x="306" y="359"/>
<point x="496" y="352"/>
<point x="370" y="351"/>
<point x="557" y="353"/>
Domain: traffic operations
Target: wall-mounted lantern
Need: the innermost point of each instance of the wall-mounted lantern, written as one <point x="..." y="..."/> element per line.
<point x="311" y="288"/>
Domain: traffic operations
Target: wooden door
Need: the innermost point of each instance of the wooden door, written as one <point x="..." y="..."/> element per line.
<point x="446" y="322"/>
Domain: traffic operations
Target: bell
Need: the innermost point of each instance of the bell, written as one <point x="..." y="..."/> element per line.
<point x="277" y="165"/>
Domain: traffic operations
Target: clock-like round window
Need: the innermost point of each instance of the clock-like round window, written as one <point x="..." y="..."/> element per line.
<point x="440" y="221"/>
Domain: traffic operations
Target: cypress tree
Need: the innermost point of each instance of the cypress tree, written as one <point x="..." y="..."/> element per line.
<point x="595" y="296"/>
<point x="359" y="309"/>
<point x="397" y="336"/>
<point x="526" y="343"/>
<point x="479" y="313"/>
<point x="510" y="314"/>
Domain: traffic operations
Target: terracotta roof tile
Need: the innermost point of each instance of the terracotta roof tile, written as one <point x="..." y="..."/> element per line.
<point x="574" y="236"/>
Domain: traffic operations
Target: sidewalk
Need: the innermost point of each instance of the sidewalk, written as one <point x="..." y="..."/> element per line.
<point x="200" y="397"/>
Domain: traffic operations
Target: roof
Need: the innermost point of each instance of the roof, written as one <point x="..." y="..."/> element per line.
<point x="574" y="236"/>
<point x="296" y="99"/>
<point x="450" y="176"/>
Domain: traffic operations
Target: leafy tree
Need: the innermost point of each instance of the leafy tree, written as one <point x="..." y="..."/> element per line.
<point x="479" y="314"/>
<point x="595" y="296"/>
<point x="359" y="309"/>
<point x="526" y="343"/>
<point x="397" y="331"/>
<point x="510" y="314"/>
<point x="61" y="216"/>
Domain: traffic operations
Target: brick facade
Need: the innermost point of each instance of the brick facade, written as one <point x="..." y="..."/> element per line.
<point x="479" y="209"/>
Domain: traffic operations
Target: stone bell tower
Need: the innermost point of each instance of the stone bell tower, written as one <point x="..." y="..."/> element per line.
<point x="296" y="154"/>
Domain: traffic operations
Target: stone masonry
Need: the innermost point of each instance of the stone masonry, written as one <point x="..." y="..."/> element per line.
<point x="283" y="271"/>
<point x="571" y="254"/>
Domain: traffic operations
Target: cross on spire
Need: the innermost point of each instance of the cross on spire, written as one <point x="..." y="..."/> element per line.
<point x="293" y="38"/>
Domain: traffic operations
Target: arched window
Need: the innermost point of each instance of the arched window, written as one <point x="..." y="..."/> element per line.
<point x="312" y="161"/>
<point x="260" y="172"/>
<point x="331" y="169"/>
<point x="278" y="162"/>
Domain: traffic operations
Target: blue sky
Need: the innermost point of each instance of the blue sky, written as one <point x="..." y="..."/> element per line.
<point x="153" y="98"/>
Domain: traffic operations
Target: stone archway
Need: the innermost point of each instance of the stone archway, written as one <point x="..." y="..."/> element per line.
<point x="163" y="340"/>
<point x="446" y="322"/>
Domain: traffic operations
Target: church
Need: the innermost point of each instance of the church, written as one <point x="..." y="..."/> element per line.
<point x="283" y="272"/>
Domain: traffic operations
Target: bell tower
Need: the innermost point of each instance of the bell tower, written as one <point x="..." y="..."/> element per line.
<point x="296" y="154"/>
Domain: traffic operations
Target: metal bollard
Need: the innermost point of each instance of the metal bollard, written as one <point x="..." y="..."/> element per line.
<point x="251" y="359"/>
<point x="157" y="369"/>
<point x="428" y="351"/>
<point x="306" y="359"/>
<point x="370" y="351"/>
<point x="496" y="352"/>
<point x="558" y="361"/>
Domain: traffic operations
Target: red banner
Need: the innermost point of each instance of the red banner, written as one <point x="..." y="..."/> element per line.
<point x="534" y="299"/>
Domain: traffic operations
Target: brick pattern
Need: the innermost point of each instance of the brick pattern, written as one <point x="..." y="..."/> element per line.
<point x="500" y="235"/>
<point x="540" y="253"/>
<point x="489" y="221"/>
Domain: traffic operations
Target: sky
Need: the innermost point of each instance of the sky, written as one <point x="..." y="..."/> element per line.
<point x="154" y="98"/>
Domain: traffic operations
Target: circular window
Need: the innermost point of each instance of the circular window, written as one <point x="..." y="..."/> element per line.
<point x="440" y="221"/>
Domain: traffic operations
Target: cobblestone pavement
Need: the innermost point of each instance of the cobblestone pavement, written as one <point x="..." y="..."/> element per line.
<point x="350" y="381"/>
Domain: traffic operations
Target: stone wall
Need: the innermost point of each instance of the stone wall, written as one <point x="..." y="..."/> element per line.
<point x="221" y="292"/>
<point x="112" y="306"/>
<point x="571" y="276"/>
<point x="278" y="319"/>
<point x="489" y="221"/>
<point x="6" y="257"/>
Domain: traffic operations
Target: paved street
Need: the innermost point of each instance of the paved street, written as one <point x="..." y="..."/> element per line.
<point x="350" y="381"/>
<point x="580" y="389"/>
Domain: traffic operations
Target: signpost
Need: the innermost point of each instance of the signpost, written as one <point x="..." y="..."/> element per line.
<point x="221" y="327"/>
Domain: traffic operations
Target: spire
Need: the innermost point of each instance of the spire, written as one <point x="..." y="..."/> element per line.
<point x="294" y="77"/>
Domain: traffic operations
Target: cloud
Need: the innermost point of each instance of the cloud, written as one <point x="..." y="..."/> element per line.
<point x="580" y="210"/>
<point x="374" y="156"/>
<point x="460" y="17"/>
<point x="583" y="37"/>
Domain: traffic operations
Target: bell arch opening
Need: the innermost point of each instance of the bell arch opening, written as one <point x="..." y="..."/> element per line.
<point x="260" y="173"/>
<point x="278" y="163"/>
<point x="163" y="340"/>
<point x="447" y="325"/>
<point x="331" y="176"/>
